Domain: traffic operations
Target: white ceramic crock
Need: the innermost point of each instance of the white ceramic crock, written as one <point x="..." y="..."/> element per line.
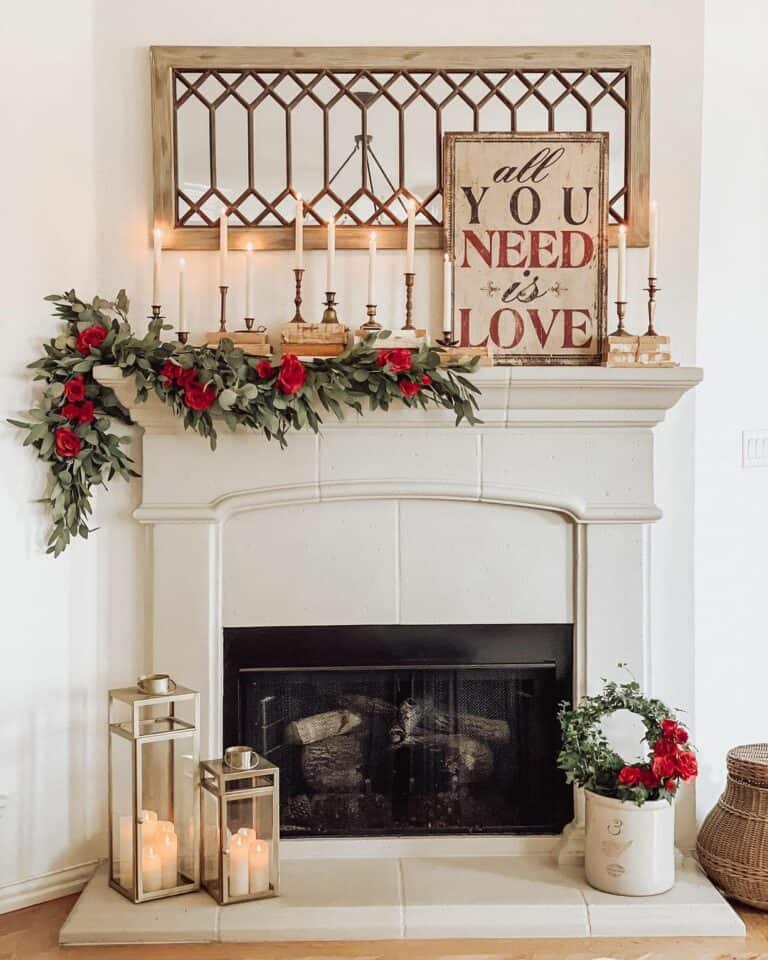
<point x="630" y="850"/>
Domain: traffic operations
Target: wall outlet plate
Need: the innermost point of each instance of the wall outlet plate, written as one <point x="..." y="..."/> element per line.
<point x="754" y="448"/>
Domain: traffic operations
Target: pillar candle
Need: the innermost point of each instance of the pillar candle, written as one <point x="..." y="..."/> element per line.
<point x="258" y="866"/>
<point x="238" y="865"/>
<point x="248" y="832"/>
<point x="151" y="870"/>
<point x="299" y="232"/>
<point x="156" y="250"/>
<point x="447" y="315"/>
<point x="411" y="237"/>
<point x="223" y="250"/>
<point x="372" y="268"/>
<point x="149" y="827"/>
<point x="249" y="279"/>
<point x="182" y="326"/>
<point x="653" y="243"/>
<point x="169" y="858"/>
<point x="330" y="273"/>
<point x="621" y="281"/>
<point x="125" y="846"/>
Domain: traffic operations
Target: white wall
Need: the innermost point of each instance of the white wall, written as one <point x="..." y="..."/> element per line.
<point x="731" y="502"/>
<point x="80" y="155"/>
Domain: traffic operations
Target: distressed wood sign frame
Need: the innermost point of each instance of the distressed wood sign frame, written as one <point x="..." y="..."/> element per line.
<point x="511" y="178"/>
<point x="621" y="73"/>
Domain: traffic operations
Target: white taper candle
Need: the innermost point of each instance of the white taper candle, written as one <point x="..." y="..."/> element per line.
<point x="372" y="268"/>
<point x="182" y="327"/>
<point x="157" y="247"/>
<point x="299" y="232"/>
<point x="653" y="240"/>
<point x="447" y="314"/>
<point x="621" y="280"/>
<point x="249" y="279"/>
<point x="410" y="237"/>
<point x="223" y="250"/>
<point x="331" y="265"/>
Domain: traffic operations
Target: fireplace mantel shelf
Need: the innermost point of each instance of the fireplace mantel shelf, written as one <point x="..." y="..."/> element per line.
<point x="510" y="397"/>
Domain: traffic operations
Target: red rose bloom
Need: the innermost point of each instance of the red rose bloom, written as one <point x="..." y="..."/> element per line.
<point x="264" y="369"/>
<point x="399" y="359"/>
<point x="649" y="779"/>
<point x="86" y="412"/>
<point x="663" y="767"/>
<point x="170" y="372"/>
<point x="426" y="380"/>
<point x="670" y="786"/>
<point x="186" y="378"/>
<point x="687" y="765"/>
<point x="629" y="776"/>
<point x="408" y="388"/>
<point x="199" y="397"/>
<point x="71" y="411"/>
<point x="671" y="730"/>
<point x="292" y="376"/>
<point x="68" y="443"/>
<point x="664" y="748"/>
<point x="90" y="337"/>
<point x="74" y="389"/>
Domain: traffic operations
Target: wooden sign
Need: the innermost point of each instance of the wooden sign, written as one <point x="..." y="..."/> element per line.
<point x="526" y="223"/>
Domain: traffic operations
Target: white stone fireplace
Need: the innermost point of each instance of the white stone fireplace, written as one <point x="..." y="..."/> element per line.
<point x="540" y="515"/>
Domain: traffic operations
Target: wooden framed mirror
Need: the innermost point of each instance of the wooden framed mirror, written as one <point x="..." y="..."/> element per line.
<point x="357" y="131"/>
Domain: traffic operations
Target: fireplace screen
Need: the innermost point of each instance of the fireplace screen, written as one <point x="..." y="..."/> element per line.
<point x="408" y="748"/>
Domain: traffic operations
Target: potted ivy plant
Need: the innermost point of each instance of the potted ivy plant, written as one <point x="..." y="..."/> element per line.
<point x="629" y="806"/>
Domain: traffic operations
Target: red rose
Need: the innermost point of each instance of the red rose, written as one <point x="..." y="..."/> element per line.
<point x="663" y="767"/>
<point x="74" y="389"/>
<point x="408" y="388"/>
<point x="671" y="730"/>
<point x="426" y="380"/>
<point x="170" y="372"/>
<point x="86" y="413"/>
<point x="264" y="369"/>
<point x="687" y="765"/>
<point x="649" y="779"/>
<point x="629" y="776"/>
<point x="292" y="376"/>
<point x="71" y="411"/>
<point x="67" y="443"/>
<point x="670" y="786"/>
<point x="186" y="378"/>
<point x="199" y="397"/>
<point x="91" y="337"/>
<point x="399" y="359"/>
<point x="665" y="748"/>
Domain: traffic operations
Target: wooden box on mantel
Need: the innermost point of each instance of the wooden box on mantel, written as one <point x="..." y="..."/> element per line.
<point x="255" y="344"/>
<point x="629" y="350"/>
<point x="314" y="339"/>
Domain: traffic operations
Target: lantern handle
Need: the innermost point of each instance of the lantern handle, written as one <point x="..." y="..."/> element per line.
<point x="156" y="684"/>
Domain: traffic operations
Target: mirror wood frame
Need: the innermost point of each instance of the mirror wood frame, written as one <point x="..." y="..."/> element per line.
<point x="164" y="59"/>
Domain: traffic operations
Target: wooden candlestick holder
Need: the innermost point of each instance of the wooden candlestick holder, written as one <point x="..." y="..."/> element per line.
<point x="298" y="273"/>
<point x="410" y="279"/>
<point x="223" y="288"/>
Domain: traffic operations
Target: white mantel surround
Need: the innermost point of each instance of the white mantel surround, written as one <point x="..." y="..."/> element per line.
<point x="576" y="441"/>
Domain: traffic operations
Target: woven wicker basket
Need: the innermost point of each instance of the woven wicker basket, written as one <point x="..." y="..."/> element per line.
<point x="733" y="841"/>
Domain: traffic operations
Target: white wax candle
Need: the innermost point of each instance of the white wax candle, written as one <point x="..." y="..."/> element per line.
<point x="223" y="250"/>
<point x="156" y="250"/>
<point x="248" y="832"/>
<point x="372" y="268"/>
<point x="447" y="315"/>
<point x="182" y="327"/>
<point x="125" y="848"/>
<point x="411" y="237"/>
<point x="151" y="870"/>
<point x="331" y="265"/>
<point x="169" y="857"/>
<point x="299" y="233"/>
<point x="238" y="865"/>
<point x="653" y="243"/>
<point x="249" y="279"/>
<point x="621" y="280"/>
<point x="258" y="867"/>
<point x="149" y="827"/>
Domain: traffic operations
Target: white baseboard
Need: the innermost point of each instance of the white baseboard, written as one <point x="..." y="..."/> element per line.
<point x="49" y="886"/>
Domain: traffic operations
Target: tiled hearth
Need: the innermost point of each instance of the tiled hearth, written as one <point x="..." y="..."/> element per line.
<point x="389" y="899"/>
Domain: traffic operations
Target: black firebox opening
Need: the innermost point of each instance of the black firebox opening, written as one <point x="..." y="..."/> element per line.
<point x="403" y="730"/>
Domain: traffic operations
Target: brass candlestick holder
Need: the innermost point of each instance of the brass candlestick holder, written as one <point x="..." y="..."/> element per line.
<point x="621" y="309"/>
<point x="371" y="325"/>
<point x="223" y="288"/>
<point x="298" y="273"/>
<point x="329" y="314"/>
<point x="410" y="279"/>
<point x="447" y="339"/>
<point x="651" y="290"/>
<point x="156" y="312"/>
<point x="182" y="336"/>
<point x="248" y="321"/>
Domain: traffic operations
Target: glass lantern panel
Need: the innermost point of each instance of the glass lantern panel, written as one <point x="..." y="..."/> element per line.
<point x="249" y="829"/>
<point x="121" y="800"/>
<point x="211" y="839"/>
<point x="168" y="789"/>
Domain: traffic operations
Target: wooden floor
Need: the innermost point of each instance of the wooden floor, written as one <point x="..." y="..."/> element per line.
<point x="33" y="933"/>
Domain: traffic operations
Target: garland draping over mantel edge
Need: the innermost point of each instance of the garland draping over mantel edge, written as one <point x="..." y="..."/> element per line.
<point x="71" y="427"/>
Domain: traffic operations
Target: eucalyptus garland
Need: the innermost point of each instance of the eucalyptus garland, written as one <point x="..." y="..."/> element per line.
<point x="590" y="762"/>
<point x="71" y="427"/>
